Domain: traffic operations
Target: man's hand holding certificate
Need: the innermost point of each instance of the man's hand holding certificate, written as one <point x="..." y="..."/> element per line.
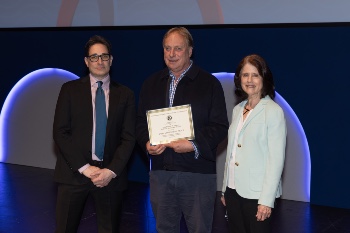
<point x="170" y="124"/>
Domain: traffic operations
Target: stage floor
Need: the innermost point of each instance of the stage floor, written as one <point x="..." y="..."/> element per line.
<point x="28" y="196"/>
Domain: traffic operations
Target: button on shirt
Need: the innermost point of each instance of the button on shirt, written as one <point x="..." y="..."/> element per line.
<point x="172" y="89"/>
<point x="173" y="84"/>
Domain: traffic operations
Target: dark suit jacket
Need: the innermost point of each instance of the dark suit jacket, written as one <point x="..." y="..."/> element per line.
<point x="73" y="128"/>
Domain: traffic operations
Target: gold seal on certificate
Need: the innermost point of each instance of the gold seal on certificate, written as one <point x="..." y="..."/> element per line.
<point x="170" y="124"/>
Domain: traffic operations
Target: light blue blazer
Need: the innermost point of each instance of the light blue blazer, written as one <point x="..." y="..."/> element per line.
<point x="260" y="152"/>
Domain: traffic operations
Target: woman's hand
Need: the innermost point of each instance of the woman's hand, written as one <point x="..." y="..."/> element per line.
<point x="263" y="213"/>
<point x="223" y="200"/>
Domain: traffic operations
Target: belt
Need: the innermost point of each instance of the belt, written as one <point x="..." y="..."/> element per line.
<point x="97" y="163"/>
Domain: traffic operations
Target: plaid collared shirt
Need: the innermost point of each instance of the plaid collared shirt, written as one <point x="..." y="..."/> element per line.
<point x="173" y="84"/>
<point x="172" y="90"/>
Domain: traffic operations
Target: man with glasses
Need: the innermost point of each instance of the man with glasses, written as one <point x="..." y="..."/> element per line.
<point x="94" y="131"/>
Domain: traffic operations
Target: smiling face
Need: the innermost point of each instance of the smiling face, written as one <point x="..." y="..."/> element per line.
<point x="177" y="53"/>
<point x="100" y="68"/>
<point x="251" y="81"/>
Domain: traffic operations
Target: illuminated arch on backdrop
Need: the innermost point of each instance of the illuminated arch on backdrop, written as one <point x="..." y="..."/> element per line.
<point x="27" y="116"/>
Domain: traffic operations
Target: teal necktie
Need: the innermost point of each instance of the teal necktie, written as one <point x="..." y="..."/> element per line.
<point x="101" y="121"/>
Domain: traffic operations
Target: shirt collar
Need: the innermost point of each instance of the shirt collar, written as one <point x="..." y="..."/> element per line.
<point x="184" y="72"/>
<point x="106" y="80"/>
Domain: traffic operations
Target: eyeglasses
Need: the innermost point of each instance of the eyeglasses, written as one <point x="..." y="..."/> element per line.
<point x="104" y="57"/>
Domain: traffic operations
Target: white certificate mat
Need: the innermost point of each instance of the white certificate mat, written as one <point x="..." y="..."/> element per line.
<point x="170" y="124"/>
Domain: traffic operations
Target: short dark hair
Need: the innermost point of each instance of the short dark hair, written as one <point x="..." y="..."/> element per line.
<point x="264" y="71"/>
<point x="183" y="32"/>
<point x="96" y="39"/>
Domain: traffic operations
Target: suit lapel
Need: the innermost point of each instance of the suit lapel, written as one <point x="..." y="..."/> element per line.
<point x="258" y="108"/>
<point x="114" y="96"/>
<point x="236" y="116"/>
<point x="85" y="92"/>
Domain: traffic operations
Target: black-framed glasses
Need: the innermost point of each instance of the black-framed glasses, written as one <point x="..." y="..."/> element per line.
<point x="104" y="57"/>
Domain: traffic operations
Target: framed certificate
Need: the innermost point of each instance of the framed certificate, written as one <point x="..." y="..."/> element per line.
<point x="170" y="124"/>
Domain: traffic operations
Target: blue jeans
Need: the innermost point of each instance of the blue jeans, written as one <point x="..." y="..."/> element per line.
<point x="174" y="193"/>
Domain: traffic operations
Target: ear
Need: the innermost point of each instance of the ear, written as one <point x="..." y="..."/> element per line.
<point x="110" y="60"/>
<point x="190" y="51"/>
<point x="86" y="61"/>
